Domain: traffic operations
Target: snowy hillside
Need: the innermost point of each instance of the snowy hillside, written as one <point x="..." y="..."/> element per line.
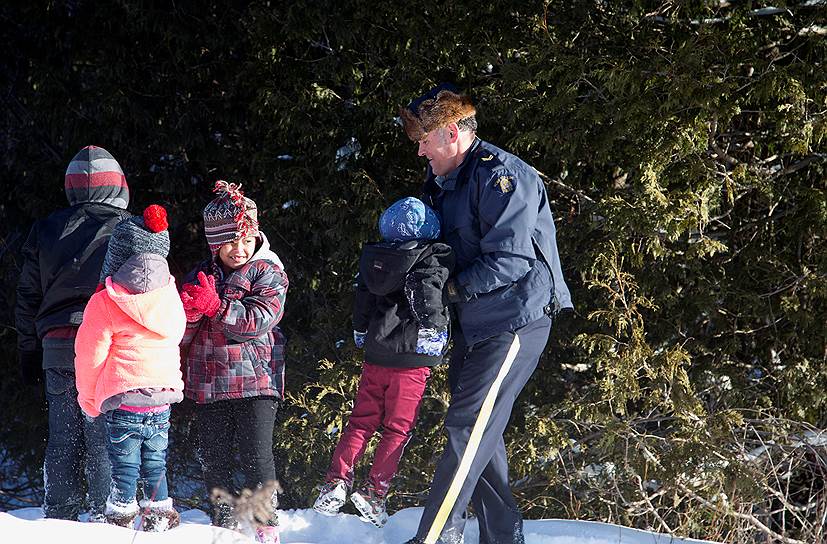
<point x="27" y="526"/>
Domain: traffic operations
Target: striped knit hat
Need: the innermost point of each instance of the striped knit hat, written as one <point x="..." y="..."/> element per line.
<point x="230" y="216"/>
<point x="95" y="176"/>
<point x="136" y="235"/>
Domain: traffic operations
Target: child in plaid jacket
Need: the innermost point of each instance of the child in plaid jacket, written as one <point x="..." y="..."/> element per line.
<point x="233" y="350"/>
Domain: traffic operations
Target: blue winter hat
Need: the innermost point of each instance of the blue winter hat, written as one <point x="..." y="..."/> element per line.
<point x="408" y="219"/>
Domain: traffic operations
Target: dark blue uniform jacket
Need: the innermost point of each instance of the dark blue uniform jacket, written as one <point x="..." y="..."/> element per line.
<point x="495" y="216"/>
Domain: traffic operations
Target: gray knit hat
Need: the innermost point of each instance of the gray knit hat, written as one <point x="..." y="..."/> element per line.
<point x="229" y="216"/>
<point x="135" y="235"/>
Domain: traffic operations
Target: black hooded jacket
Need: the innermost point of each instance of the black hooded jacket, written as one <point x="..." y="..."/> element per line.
<point x="62" y="258"/>
<point x="399" y="292"/>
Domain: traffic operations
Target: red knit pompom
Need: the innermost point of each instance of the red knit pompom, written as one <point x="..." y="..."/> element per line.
<point x="155" y="218"/>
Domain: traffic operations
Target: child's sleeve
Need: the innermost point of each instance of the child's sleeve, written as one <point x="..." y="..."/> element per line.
<point x="423" y="289"/>
<point x="189" y="334"/>
<point x="29" y="298"/>
<point x="251" y="306"/>
<point x="92" y="345"/>
<point x="363" y="304"/>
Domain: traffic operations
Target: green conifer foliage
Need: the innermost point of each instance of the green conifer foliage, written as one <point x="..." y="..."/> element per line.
<point x="684" y="147"/>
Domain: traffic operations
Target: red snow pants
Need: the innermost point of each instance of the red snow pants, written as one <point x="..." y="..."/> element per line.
<point x="387" y="396"/>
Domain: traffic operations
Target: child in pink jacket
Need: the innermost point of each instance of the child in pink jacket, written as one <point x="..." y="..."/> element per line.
<point x="127" y="366"/>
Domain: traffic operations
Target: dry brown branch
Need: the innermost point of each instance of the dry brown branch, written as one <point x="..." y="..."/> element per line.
<point x="251" y="508"/>
<point x="752" y="520"/>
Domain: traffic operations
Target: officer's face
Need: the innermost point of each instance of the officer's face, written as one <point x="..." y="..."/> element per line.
<point x="440" y="148"/>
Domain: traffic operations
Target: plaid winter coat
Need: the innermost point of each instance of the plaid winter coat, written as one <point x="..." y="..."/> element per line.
<point x="239" y="352"/>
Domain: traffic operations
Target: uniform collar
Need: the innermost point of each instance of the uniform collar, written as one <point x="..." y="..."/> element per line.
<point x="448" y="182"/>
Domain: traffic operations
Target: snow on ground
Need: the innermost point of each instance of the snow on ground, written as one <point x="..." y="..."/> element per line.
<point x="27" y="526"/>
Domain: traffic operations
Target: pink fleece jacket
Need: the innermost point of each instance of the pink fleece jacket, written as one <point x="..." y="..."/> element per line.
<point x="128" y="341"/>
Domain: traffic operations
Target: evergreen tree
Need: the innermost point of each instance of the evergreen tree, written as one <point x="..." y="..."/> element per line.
<point x="683" y="144"/>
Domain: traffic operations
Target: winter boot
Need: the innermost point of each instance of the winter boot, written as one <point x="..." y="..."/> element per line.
<point x="332" y="496"/>
<point x="159" y="516"/>
<point x="121" y="514"/>
<point x="268" y="534"/>
<point x="371" y="506"/>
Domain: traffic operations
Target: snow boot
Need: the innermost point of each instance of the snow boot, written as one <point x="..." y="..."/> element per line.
<point x="268" y="534"/>
<point x="121" y="514"/>
<point x="371" y="506"/>
<point x="159" y="516"/>
<point x="331" y="498"/>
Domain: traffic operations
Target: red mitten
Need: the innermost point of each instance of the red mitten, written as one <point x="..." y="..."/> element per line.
<point x="201" y="297"/>
<point x="192" y="313"/>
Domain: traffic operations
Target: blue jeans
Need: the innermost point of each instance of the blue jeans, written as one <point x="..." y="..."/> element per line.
<point x="76" y="448"/>
<point x="138" y="449"/>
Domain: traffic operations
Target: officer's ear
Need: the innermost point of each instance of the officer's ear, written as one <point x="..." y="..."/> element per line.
<point x="452" y="132"/>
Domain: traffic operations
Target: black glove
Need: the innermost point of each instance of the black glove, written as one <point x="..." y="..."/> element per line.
<point x="456" y="292"/>
<point x="564" y="326"/>
<point x="31" y="367"/>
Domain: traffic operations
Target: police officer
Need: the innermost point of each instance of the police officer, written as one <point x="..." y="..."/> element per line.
<point x="506" y="287"/>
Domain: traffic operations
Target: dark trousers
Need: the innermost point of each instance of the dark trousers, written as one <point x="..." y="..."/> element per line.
<point x="76" y="448"/>
<point x="485" y="380"/>
<point x="389" y="397"/>
<point x="247" y="423"/>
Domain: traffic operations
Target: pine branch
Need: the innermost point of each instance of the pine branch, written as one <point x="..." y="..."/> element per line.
<point x="565" y="188"/>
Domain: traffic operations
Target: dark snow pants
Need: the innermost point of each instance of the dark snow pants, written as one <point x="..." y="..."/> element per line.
<point x="76" y="447"/>
<point x="485" y="381"/>
<point x="244" y="423"/>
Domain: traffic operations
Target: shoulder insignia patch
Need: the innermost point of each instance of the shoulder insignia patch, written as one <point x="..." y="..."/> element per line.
<point x="504" y="184"/>
<point x="488" y="158"/>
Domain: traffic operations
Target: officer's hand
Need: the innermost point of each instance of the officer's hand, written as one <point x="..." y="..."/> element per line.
<point x="564" y="316"/>
<point x="359" y="338"/>
<point x="563" y="325"/>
